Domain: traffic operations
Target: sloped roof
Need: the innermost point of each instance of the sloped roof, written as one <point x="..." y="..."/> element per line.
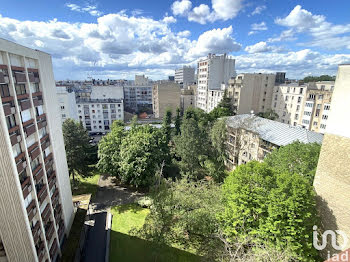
<point x="272" y="131"/>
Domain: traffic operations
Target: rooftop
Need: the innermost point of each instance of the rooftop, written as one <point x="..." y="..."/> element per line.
<point x="272" y="131"/>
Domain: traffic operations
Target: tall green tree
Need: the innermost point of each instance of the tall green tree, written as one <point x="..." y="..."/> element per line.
<point x="166" y="124"/>
<point x="177" y="121"/>
<point x="109" y="150"/>
<point x="78" y="149"/>
<point x="224" y="108"/>
<point x="140" y="157"/>
<point x="295" y="158"/>
<point x="269" y="114"/>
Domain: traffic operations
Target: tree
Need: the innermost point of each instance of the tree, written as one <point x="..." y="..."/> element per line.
<point x="177" y="121"/>
<point x="295" y="158"/>
<point x="78" y="149"/>
<point x="184" y="214"/>
<point x="140" y="157"/>
<point x="318" y="78"/>
<point x="269" y="114"/>
<point x="191" y="148"/>
<point x="224" y="108"/>
<point x="166" y="124"/>
<point x="109" y="150"/>
<point x="270" y="208"/>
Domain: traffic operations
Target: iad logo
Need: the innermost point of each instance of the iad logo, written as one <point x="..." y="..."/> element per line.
<point x="333" y="239"/>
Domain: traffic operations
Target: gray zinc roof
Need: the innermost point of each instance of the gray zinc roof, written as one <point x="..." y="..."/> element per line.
<point x="272" y="131"/>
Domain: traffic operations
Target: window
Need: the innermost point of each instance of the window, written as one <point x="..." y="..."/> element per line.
<point x="284" y="113"/>
<point x="301" y="90"/>
<point x="298" y="108"/>
<point x="323" y="126"/>
<point x="112" y="106"/>
<point x="42" y="132"/>
<point x="11" y="121"/>
<point x="315" y="123"/>
<point x="30" y="140"/>
<point x="39" y="110"/>
<point x="28" y="200"/>
<point x="20" y="89"/>
<point x="327" y="107"/>
<point x="63" y="115"/>
<point x="320" y="97"/>
<point x="35" y="163"/>
<point x="62" y="107"/>
<point x="324" y="117"/>
<point x="306" y="122"/>
<point x="275" y="104"/>
<point x="286" y="99"/>
<point x="16" y="149"/>
<point x="299" y="99"/>
<point x="296" y="117"/>
<point x="5" y="91"/>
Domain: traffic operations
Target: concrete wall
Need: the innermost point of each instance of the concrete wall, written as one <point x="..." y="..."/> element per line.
<point x="165" y="95"/>
<point x="332" y="180"/>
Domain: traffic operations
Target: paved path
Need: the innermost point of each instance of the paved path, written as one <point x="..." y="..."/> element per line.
<point x="108" y="194"/>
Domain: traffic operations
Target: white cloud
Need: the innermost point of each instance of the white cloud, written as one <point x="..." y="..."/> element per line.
<point x="221" y="10"/>
<point x="115" y="43"/>
<point x="262" y="47"/>
<point x="181" y="7"/>
<point x="200" y="14"/>
<point x="259" y="27"/>
<point x="324" y="34"/>
<point x="287" y="35"/>
<point x="215" y="41"/>
<point x="258" y="10"/>
<point x="91" y="9"/>
<point x="169" y="19"/>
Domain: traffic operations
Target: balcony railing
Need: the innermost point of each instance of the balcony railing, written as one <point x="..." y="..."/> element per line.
<point x="15" y="138"/>
<point x="24" y="104"/>
<point x="40" y="250"/>
<point x="37" y="101"/>
<point x="37" y="94"/>
<point x="21" y="162"/>
<point x="31" y="210"/>
<point x="26" y="186"/>
<point x="53" y="250"/>
<point x="38" y="173"/>
<point x="49" y="229"/>
<point x="9" y="109"/>
<point x="41" y="192"/>
<point x="36" y="231"/>
<point x="46" y="213"/>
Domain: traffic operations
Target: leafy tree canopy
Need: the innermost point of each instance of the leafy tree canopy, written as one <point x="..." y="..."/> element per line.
<point x="319" y="78"/>
<point x="269" y="114"/>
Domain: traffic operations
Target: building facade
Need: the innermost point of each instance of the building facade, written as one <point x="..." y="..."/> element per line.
<point x="184" y="76"/>
<point x="35" y="192"/>
<point x="165" y="95"/>
<point x="252" y="138"/>
<point x="188" y="97"/>
<point x="67" y="103"/>
<point x="212" y="72"/>
<point x="332" y="180"/>
<point x="138" y="94"/>
<point x="215" y="96"/>
<point x="251" y="92"/>
<point x="288" y="101"/>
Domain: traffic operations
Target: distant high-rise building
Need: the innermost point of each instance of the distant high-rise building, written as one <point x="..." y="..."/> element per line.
<point x="280" y="77"/>
<point x="212" y="72"/>
<point x="67" y="103"/>
<point x="35" y="193"/>
<point x="251" y="92"/>
<point x="184" y="76"/>
<point x="165" y="95"/>
<point x="332" y="179"/>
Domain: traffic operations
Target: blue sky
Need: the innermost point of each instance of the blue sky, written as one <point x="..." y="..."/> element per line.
<point x="117" y="39"/>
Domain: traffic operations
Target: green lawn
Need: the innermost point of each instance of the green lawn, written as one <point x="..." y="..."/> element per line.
<point x="124" y="247"/>
<point x="85" y="185"/>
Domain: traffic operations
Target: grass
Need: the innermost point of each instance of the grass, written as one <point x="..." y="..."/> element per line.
<point x="85" y="185"/>
<point x="124" y="247"/>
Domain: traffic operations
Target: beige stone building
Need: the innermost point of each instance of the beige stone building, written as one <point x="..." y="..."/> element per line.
<point x="252" y="138"/>
<point x="35" y="195"/>
<point x="332" y="180"/>
<point x="165" y="94"/>
<point x="188" y="97"/>
<point x="288" y="101"/>
<point x="251" y="92"/>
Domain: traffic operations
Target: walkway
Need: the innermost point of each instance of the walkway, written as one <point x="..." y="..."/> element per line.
<point x="108" y="195"/>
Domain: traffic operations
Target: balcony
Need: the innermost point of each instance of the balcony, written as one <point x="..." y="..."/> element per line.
<point x="31" y="210"/>
<point x="38" y="173"/>
<point x="40" y="250"/>
<point x="45" y="142"/>
<point x="24" y="104"/>
<point x="20" y="77"/>
<point x="53" y="250"/>
<point x="58" y="213"/>
<point x="22" y="96"/>
<point x="41" y="121"/>
<point x="55" y="193"/>
<point x="52" y="180"/>
<point x="49" y="229"/>
<point x="29" y="127"/>
<point x="37" y="101"/>
<point x="21" y="162"/>
<point x="26" y="185"/>
<point x="36" y="231"/>
<point x="9" y="109"/>
<point x="46" y="213"/>
<point x="48" y="161"/>
<point x="15" y="138"/>
<point x="41" y="192"/>
<point x="14" y="128"/>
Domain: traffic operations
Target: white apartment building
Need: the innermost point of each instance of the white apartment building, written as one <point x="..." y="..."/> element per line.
<point x="184" y="76"/>
<point x="138" y="94"/>
<point x="212" y="72"/>
<point x="105" y="106"/>
<point x="35" y="194"/>
<point x="215" y="96"/>
<point x="251" y="92"/>
<point x="67" y="103"/>
<point x="288" y="101"/>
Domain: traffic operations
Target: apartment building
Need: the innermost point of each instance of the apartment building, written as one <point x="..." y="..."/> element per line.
<point x="188" y="97"/>
<point x="251" y="92"/>
<point x="165" y="95"/>
<point x="184" y="76"/>
<point x="35" y="194"/>
<point x="316" y="109"/>
<point x="215" y="96"/>
<point x="288" y="101"/>
<point x="332" y="181"/>
<point x="138" y="94"/>
<point x="252" y="138"/>
<point x="212" y="72"/>
<point x="103" y="107"/>
<point x="67" y="103"/>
